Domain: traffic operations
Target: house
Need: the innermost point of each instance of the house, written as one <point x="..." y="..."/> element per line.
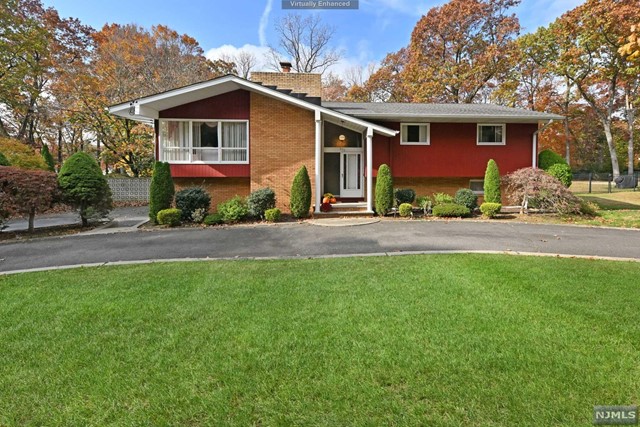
<point x="233" y="136"/>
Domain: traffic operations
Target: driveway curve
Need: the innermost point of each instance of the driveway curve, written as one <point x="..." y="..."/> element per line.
<point x="306" y="240"/>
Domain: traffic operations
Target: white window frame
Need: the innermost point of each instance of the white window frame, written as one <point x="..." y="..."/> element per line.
<point x="477" y="193"/>
<point x="190" y="147"/>
<point x="504" y="134"/>
<point x="402" y="134"/>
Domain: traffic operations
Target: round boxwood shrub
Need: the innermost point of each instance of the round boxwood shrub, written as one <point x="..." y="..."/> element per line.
<point x="233" y="210"/>
<point x="161" y="191"/>
<point x="548" y="158"/>
<point x="404" y="195"/>
<point x="301" y="194"/>
<point x="405" y="209"/>
<point x="451" y="210"/>
<point x="190" y="199"/>
<point x="384" y="190"/>
<point x="466" y="197"/>
<point x="562" y="172"/>
<point x="84" y="186"/>
<point x="272" y="215"/>
<point x="213" y="219"/>
<point x="490" y="210"/>
<point x="260" y="201"/>
<point x="492" y="193"/>
<point x="170" y="217"/>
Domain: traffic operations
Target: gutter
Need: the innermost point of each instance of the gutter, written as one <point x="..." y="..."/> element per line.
<point x="534" y="143"/>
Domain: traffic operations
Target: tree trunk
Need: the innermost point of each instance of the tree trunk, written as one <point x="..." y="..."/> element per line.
<point x="631" y="116"/>
<point x="60" y="145"/>
<point x="615" y="166"/>
<point x="32" y="217"/>
<point x="567" y="130"/>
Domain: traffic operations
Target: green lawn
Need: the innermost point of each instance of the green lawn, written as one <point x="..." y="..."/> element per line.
<point x="441" y="340"/>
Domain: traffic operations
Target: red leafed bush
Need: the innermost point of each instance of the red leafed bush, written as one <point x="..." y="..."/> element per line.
<point x="534" y="188"/>
<point x="27" y="191"/>
<point x="325" y="207"/>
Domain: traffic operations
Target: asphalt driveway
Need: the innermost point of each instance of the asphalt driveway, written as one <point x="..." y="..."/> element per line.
<point x="306" y="240"/>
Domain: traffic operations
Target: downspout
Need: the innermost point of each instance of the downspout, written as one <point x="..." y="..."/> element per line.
<point x="534" y="154"/>
<point x="318" y="162"/>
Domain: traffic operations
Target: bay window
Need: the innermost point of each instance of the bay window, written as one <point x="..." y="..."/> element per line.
<point x="204" y="141"/>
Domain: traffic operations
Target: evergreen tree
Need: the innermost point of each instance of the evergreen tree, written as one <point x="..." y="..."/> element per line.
<point x="301" y="194"/>
<point x="384" y="190"/>
<point x="492" y="192"/>
<point x="161" y="191"/>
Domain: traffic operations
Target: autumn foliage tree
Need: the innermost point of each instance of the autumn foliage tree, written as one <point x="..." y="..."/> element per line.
<point x="458" y="49"/>
<point x="27" y="192"/>
<point x="534" y="188"/>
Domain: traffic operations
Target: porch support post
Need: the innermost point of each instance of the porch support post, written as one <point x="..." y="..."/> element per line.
<point x="318" y="168"/>
<point x="369" y="169"/>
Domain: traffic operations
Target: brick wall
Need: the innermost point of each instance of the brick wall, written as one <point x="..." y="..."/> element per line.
<point x="311" y="84"/>
<point x="282" y="139"/>
<point x="220" y="189"/>
<point x="429" y="186"/>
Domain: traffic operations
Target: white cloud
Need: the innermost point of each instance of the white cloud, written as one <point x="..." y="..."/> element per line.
<point x="228" y="50"/>
<point x="264" y="21"/>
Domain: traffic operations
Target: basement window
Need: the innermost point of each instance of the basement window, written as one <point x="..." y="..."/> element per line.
<point x="477" y="186"/>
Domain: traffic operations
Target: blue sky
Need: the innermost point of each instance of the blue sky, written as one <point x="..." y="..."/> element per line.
<point x="223" y="26"/>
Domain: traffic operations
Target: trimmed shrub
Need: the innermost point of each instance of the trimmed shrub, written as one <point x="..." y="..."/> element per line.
<point x="190" y="199"/>
<point x="161" y="191"/>
<point x="4" y="161"/>
<point x="562" y="172"/>
<point x="84" y="186"/>
<point x="272" y="215"/>
<point x="233" y="210"/>
<point x="213" y="219"/>
<point x="492" y="193"/>
<point x="441" y="199"/>
<point x="260" y="201"/>
<point x="170" y="217"/>
<point x="384" y="190"/>
<point x="451" y="210"/>
<point x="404" y="195"/>
<point x="405" y="210"/>
<point x="48" y="158"/>
<point x="466" y="197"/>
<point x="548" y="158"/>
<point x="490" y="210"/>
<point x="21" y="155"/>
<point x="301" y="194"/>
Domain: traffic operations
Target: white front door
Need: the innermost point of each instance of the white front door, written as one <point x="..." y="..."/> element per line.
<point x="351" y="173"/>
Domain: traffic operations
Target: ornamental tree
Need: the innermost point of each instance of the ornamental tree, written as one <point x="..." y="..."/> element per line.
<point x="84" y="187"/>
<point x="27" y="192"/>
<point x="532" y="187"/>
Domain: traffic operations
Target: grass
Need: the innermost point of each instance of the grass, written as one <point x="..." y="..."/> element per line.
<point x="442" y="340"/>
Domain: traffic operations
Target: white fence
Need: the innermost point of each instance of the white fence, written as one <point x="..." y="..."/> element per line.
<point x="130" y="189"/>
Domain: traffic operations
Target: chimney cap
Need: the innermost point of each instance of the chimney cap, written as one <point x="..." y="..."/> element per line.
<point x="286" y="66"/>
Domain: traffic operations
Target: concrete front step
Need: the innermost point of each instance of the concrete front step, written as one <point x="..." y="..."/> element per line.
<point x="345" y="209"/>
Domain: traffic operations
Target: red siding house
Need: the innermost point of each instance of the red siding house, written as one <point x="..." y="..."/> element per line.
<point x="233" y="136"/>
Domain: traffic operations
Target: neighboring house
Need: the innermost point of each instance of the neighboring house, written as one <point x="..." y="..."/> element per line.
<point x="233" y="136"/>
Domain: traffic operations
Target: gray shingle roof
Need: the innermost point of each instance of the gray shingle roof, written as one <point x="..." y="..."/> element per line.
<point x="438" y="112"/>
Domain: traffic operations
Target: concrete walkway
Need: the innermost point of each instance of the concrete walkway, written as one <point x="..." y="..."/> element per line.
<point x="303" y="240"/>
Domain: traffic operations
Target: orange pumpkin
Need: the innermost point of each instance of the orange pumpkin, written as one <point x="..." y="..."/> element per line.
<point x="333" y="200"/>
<point x="326" y="200"/>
